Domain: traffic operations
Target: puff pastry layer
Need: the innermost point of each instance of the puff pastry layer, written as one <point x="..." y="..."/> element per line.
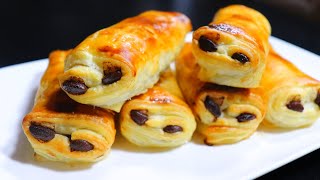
<point x="60" y="129"/>
<point x="124" y="60"/>
<point x="159" y="117"/>
<point x="293" y="98"/>
<point x="232" y="49"/>
<point x="224" y="114"/>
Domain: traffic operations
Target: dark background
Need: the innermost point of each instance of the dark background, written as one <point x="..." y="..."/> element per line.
<point x="31" y="29"/>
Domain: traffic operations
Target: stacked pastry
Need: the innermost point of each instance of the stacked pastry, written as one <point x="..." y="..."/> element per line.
<point x="158" y="118"/>
<point x="220" y="72"/>
<point x="72" y="119"/>
<point x="124" y="60"/>
<point x="124" y="68"/>
<point x="60" y="129"/>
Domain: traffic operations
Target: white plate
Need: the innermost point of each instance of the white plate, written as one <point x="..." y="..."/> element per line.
<point x="263" y="152"/>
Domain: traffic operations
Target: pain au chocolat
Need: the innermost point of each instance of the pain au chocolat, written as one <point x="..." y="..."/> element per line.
<point x="293" y="97"/>
<point x="224" y="114"/>
<point x="60" y="129"/>
<point x="159" y="117"/>
<point x="116" y="63"/>
<point x="232" y="49"/>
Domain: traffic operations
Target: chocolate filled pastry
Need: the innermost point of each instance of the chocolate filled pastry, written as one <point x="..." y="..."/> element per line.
<point x="124" y="60"/>
<point x="224" y="114"/>
<point x="60" y="129"/>
<point x="293" y="98"/>
<point x="159" y="117"/>
<point x="232" y="49"/>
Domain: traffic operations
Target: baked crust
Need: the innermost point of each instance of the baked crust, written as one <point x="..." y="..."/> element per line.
<point x="138" y="48"/>
<point x="240" y="38"/>
<point x="283" y="83"/>
<point x="169" y="121"/>
<point x="224" y="114"/>
<point x="60" y="129"/>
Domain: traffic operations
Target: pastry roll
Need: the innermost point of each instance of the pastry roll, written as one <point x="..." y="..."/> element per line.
<point x="293" y="98"/>
<point x="124" y="60"/>
<point x="232" y="49"/>
<point x="224" y="114"/>
<point x="60" y="129"/>
<point x="159" y="117"/>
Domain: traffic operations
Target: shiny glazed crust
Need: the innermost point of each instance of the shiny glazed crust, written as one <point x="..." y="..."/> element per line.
<point x="69" y="120"/>
<point x="141" y="46"/>
<point x="282" y="83"/>
<point x="234" y="29"/>
<point x="165" y="106"/>
<point x="225" y="128"/>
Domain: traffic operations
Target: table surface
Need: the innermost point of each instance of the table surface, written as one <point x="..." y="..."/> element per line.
<point x="31" y="30"/>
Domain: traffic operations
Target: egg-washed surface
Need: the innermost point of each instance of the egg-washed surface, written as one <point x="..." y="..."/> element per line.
<point x="60" y="129"/>
<point x="232" y="49"/>
<point x="224" y="114"/>
<point x="159" y="117"/>
<point x="121" y="61"/>
<point x="292" y="96"/>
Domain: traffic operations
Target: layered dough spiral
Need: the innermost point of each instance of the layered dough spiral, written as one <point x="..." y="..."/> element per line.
<point x="60" y="129"/>
<point x="232" y="49"/>
<point x="293" y="98"/>
<point x="224" y="114"/>
<point x="159" y="117"/>
<point x="124" y="60"/>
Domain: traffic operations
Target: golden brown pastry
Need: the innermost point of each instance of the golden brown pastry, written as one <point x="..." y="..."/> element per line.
<point x="124" y="60"/>
<point x="232" y="49"/>
<point x="60" y="129"/>
<point x="293" y="98"/>
<point x="224" y="114"/>
<point x="159" y="117"/>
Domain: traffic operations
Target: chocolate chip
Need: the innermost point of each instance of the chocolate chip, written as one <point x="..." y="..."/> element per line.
<point x="74" y="86"/>
<point x="212" y="107"/>
<point x="172" y="129"/>
<point x="206" y="44"/>
<point x="317" y="100"/>
<point x="139" y="116"/>
<point x="111" y="76"/>
<point x="243" y="117"/>
<point x="295" y="105"/>
<point x="240" y="57"/>
<point x="42" y="133"/>
<point x="80" y="145"/>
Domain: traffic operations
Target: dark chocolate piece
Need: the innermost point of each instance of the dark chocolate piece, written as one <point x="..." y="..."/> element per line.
<point x="244" y="117"/>
<point x="172" y="129"/>
<point x="139" y="116"/>
<point x="212" y="107"/>
<point x="74" y="86"/>
<point x="111" y="76"/>
<point x="295" y="105"/>
<point x="240" y="57"/>
<point x="207" y="45"/>
<point x="80" y="145"/>
<point x="41" y="133"/>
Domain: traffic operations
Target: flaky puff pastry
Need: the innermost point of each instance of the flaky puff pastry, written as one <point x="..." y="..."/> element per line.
<point x="293" y="98"/>
<point x="124" y="60"/>
<point x="232" y="49"/>
<point x="159" y="117"/>
<point x="224" y="114"/>
<point x="60" y="129"/>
